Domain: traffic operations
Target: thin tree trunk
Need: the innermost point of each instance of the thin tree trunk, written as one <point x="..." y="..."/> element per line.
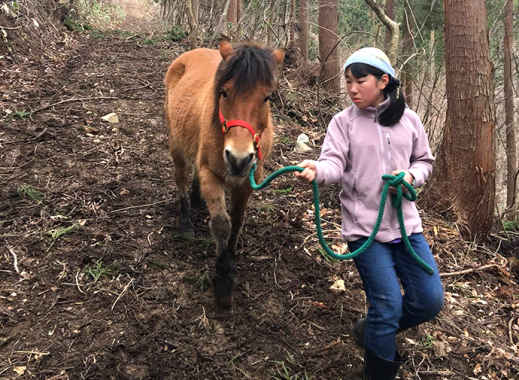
<point x="231" y="18"/>
<point x="302" y="23"/>
<point x="292" y="22"/>
<point x="329" y="75"/>
<point x="390" y="12"/>
<point x="408" y="70"/>
<point x="511" y="149"/>
<point x="192" y="10"/>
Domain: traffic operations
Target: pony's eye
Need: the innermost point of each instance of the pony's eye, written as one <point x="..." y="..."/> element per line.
<point x="223" y="93"/>
<point x="268" y="98"/>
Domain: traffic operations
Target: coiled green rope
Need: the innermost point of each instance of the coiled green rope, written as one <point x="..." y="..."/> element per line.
<point x="396" y="201"/>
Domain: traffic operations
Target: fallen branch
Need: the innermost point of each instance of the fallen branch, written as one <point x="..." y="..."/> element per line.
<point x="140" y="206"/>
<point x="15" y="264"/>
<point x="465" y="271"/>
<point x="74" y="100"/>
<point x="510" y="334"/>
<point x="120" y="295"/>
<point x="10" y="27"/>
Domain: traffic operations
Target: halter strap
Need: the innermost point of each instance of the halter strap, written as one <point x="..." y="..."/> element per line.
<point x="228" y="124"/>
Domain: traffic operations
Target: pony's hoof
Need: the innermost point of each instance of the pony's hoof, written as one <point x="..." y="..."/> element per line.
<point x="224" y="302"/>
<point x="186" y="233"/>
<point x="223" y="292"/>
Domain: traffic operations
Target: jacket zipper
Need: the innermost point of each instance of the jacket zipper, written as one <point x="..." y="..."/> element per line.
<point x="389" y="158"/>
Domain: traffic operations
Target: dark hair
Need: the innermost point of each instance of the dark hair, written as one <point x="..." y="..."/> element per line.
<point x="249" y="65"/>
<point x="395" y="110"/>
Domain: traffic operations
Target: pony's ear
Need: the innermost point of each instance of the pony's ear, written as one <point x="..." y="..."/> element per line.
<point x="225" y="48"/>
<point x="279" y="56"/>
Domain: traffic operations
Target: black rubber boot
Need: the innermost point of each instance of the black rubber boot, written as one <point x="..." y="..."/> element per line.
<point x="376" y="368"/>
<point x="358" y="332"/>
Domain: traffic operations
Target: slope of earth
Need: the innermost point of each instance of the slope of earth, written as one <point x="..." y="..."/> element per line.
<point x="95" y="284"/>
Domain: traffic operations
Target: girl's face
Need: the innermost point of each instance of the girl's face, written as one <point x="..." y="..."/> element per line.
<point x="366" y="91"/>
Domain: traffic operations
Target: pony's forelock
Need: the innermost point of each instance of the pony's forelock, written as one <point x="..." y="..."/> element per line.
<point x="248" y="66"/>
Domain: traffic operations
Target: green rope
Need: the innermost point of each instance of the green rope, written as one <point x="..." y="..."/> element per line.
<point x="396" y="201"/>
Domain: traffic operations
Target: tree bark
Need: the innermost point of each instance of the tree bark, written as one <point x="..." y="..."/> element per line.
<point x="407" y="75"/>
<point x="232" y="17"/>
<point x="231" y="12"/>
<point x="391" y="25"/>
<point x="464" y="182"/>
<point x="329" y="75"/>
<point x="302" y="26"/>
<point x="511" y="148"/>
<point x="390" y="12"/>
<point x="192" y="9"/>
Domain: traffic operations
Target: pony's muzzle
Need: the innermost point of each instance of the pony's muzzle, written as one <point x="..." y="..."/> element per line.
<point x="238" y="165"/>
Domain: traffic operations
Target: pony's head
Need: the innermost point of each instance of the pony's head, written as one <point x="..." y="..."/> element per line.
<point x="245" y="80"/>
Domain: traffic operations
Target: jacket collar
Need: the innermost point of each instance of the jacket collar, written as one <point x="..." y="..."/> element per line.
<point x="375" y="111"/>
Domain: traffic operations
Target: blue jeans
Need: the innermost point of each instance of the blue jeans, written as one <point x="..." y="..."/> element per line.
<point x="383" y="267"/>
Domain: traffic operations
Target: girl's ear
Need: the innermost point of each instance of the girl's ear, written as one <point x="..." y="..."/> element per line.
<point x="383" y="81"/>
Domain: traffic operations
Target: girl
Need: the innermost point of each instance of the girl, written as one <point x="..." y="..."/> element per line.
<point x="379" y="135"/>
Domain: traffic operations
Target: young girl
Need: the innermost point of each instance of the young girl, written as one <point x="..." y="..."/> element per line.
<point x="379" y="135"/>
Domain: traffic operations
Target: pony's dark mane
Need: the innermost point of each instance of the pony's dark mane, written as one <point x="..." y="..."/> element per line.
<point x="249" y="65"/>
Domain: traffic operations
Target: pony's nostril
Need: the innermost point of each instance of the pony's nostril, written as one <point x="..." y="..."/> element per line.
<point x="229" y="156"/>
<point x="238" y="165"/>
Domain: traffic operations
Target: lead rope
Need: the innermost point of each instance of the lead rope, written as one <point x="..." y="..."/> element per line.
<point x="396" y="201"/>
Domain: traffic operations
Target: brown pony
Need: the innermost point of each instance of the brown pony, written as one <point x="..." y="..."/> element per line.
<point x="218" y="115"/>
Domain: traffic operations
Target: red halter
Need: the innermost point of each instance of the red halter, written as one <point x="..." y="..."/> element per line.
<point x="226" y="125"/>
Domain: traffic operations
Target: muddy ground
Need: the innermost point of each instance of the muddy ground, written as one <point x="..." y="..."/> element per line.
<point x="96" y="284"/>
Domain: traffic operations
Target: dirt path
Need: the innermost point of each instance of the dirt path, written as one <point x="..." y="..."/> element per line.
<point x="94" y="284"/>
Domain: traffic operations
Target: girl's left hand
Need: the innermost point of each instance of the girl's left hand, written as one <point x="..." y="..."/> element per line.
<point x="408" y="177"/>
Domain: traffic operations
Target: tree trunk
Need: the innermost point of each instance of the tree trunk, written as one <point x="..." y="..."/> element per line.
<point x="292" y="22"/>
<point x="464" y="182"/>
<point x="390" y="12"/>
<point x="192" y="10"/>
<point x="393" y="28"/>
<point x="232" y="17"/>
<point x="302" y="24"/>
<point x="329" y="75"/>
<point x="408" y="47"/>
<point x="231" y="12"/>
<point x="511" y="154"/>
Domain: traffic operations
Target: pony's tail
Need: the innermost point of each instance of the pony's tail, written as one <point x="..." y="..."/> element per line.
<point x="393" y="113"/>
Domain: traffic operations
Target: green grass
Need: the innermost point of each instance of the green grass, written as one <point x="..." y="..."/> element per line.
<point x="98" y="270"/>
<point x="286" y="190"/>
<point x="427" y="341"/>
<point x="176" y="34"/>
<point x="59" y="232"/>
<point x="283" y="373"/>
<point x="21" y="114"/>
<point x="510" y="225"/>
<point x="30" y="192"/>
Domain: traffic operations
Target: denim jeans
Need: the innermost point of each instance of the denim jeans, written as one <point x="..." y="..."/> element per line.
<point x="383" y="267"/>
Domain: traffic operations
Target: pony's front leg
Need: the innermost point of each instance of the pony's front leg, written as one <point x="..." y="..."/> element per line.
<point x="212" y="189"/>
<point x="239" y="198"/>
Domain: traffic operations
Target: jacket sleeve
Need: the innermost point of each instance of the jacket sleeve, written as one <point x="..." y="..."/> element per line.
<point x="334" y="152"/>
<point x="422" y="158"/>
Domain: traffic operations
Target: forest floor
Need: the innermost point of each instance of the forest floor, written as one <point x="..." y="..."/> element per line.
<point x="96" y="284"/>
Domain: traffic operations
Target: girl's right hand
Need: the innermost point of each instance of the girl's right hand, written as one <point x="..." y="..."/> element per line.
<point x="310" y="171"/>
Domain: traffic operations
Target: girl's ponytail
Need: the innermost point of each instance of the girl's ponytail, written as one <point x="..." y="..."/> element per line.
<point x="392" y="114"/>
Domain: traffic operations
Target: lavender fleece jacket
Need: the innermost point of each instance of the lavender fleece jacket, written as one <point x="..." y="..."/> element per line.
<point x="357" y="151"/>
